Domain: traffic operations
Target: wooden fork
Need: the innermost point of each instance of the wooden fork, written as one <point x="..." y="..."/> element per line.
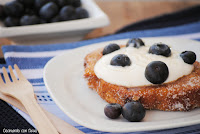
<point x="22" y="90"/>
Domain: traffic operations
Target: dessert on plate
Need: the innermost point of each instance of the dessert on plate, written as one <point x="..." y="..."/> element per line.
<point x="154" y="74"/>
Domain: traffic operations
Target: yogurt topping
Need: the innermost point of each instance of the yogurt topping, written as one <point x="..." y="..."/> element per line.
<point x="133" y="75"/>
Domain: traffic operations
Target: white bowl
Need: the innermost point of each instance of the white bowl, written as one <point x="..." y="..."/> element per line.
<point x="66" y="31"/>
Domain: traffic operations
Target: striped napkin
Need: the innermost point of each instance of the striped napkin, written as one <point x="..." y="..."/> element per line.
<point x="32" y="59"/>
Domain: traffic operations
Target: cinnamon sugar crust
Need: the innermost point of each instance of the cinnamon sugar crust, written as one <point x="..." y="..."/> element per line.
<point x="182" y="94"/>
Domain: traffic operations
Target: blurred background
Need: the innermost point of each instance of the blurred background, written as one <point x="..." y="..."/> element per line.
<point x="124" y="12"/>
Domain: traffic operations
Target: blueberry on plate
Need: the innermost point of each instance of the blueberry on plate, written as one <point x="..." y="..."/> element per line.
<point x="67" y="13"/>
<point x="81" y="13"/>
<point x="10" y="22"/>
<point x="120" y="60"/>
<point x="27" y="3"/>
<point x="49" y="10"/>
<point x="29" y="20"/>
<point x="110" y="48"/>
<point x="39" y="3"/>
<point x="133" y="111"/>
<point x="160" y="49"/>
<point x="14" y="9"/>
<point x="113" y="110"/>
<point x="188" y="57"/>
<point x="156" y="72"/>
<point x="135" y="42"/>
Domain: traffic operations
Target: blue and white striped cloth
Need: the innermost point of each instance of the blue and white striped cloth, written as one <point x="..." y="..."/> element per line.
<point x="32" y="59"/>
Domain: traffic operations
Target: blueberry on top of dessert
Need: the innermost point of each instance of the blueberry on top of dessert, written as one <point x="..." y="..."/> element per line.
<point x="160" y="49"/>
<point x="156" y="72"/>
<point x="188" y="57"/>
<point x="135" y="42"/>
<point x="120" y="60"/>
<point x="110" y="48"/>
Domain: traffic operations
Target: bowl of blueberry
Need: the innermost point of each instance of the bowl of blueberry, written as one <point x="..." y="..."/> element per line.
<point x="49" y="21"/>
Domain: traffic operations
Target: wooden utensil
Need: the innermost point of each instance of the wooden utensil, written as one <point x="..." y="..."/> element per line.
<point x="61" y="126"/>
<point x="22" y="90"/>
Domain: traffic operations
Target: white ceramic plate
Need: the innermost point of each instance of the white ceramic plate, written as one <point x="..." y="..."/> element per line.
<point x="63" y="76"/>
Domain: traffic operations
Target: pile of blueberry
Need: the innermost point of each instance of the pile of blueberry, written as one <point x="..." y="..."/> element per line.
<point x="156" y="72"/>
<point x="132" y="111"/>
<point x="30" y="12"/>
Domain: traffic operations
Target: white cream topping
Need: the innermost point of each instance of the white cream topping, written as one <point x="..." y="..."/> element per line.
<point x="134" y="75"/>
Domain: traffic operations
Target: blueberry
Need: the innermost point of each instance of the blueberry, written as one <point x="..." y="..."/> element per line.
<point x="67" y="13"/>
<point x="113" y="110"/>
<point x="133" y="111"/>
<point x="39" y="3"/>
<point x="55" y="1"/>
<point x="2" y="13"/>
<point x="42" y="21"/>
<point x="135" y="42"/>
<point x="29" y="20"/>
<point x="27" y="3"/>
<point x="110" y="48"/>
<point x="160" y="49"/>
<point x="81" y="13"/>
<point x="14" y="9"/>
<point x="120" y="60"/>
<point x="156" y="72"/>
<point x="48" y="11"/>
<point x="10" y="22"/>
<point x="30" y="11"/>
<point x="76" y="3"/>
<point x="188" y="57"/>
<point x="63" y="3"/>
<point x="56" y="19"/>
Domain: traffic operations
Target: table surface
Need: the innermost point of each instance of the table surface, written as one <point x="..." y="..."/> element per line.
<point x="129" y="12"/>
<point x="132" y="11"/>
